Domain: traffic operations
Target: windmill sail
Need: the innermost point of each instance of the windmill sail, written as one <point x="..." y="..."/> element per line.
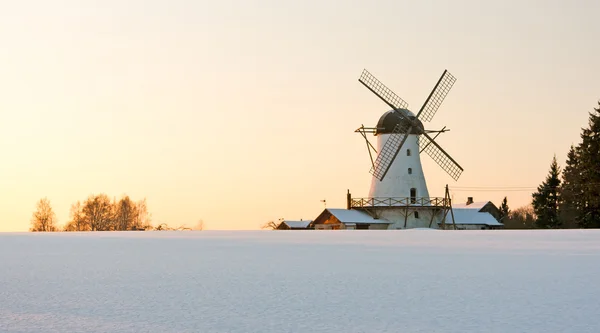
<point x="408" y="124"/>
<point x="436" y="97"/>
<point x="440" y="156"/>
<point x="390" y="149"/>
<point x="383" y="92"/>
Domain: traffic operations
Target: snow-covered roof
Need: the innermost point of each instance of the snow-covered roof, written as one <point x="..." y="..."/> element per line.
<point x="471" y="216"/>
<point x="355" y="216"/>
<point x="297" y="224"/>
<point x="478" y="205"/>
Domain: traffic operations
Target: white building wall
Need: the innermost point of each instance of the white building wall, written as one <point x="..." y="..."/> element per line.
<point x="396" y="216"/>
<point x="398" y="182"/>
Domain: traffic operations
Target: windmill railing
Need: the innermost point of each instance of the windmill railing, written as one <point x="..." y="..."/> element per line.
<point x="433" y="202"/>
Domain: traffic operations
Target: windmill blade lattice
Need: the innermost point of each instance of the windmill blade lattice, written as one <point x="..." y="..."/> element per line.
<point x="436" y="97"/>
<point x="442" y="158"/>
<point x="383" y="92"/>
<point x="390" y="149"/>
<point x="408" y="124"/>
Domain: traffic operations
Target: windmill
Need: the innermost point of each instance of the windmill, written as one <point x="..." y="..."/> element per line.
<point x="401" y="132"/>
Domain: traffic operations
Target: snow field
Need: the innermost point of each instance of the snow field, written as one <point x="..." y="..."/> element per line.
<point x="301" y="281"/>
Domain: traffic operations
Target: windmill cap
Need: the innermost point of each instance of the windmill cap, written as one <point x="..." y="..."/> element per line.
<point x="390" y="119"/>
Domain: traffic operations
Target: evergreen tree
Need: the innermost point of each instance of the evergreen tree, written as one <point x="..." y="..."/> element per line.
<point x="571" y="190"/>
<point x="590" y="172"/>
<point x="546" y="200"/>
<point x="504" y="210"/>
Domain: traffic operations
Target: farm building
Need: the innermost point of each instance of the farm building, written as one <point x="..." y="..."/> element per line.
<point x="468" y="216"/>
<point x="294" y="225"/>
<point x="476" y="215"/>
<point x="351" y="219"/>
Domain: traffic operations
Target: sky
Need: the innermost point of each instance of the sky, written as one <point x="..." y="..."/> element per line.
<point x="241" y="112"/>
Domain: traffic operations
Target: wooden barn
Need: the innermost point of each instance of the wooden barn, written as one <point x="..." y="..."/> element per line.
<point x="350" y="219"/>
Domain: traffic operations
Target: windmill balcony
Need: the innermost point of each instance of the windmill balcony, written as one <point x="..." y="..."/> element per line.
<point x="428" y="202"/>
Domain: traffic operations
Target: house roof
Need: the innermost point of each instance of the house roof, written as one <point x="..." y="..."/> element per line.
<point x="297" y="224"/>
<point x="472" y="216"/>
<point x="354" y="216"/>
<point x="477" y="205"/>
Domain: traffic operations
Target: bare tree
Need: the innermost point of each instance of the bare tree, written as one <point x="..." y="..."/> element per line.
<point x="98" y="212"/>
<point x="166" y="227"/>
<point x="199" y="226"/>
<point x="43" y="218"/>
<point x="521" y="218"/>
<point x="125" y="214"/>
<point x="270" y="225"/>
<point x="142" y="219"/>
<point x="163" y="226"/>
<point x="78" y="221"/>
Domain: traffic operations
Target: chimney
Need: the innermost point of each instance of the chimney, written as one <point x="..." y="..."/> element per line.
<point x="469" y="200"/>
<point x="348" y="200"/>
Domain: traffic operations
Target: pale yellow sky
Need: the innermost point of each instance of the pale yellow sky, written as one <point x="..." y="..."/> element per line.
<point x="239" y="112"/>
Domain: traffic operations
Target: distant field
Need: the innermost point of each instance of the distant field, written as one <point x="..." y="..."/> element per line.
<point x="301" y="281"/>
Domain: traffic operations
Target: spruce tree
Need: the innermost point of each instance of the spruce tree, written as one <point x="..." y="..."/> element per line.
<point x="590" y="172"/>
<point x="571" y="190"/>
<point x="504" y="210"/>
<point x="546" y="200"/>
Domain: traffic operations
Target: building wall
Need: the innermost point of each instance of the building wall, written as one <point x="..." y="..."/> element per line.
<point x="492" y="209"/>
<point x="327" y="221"/>
<point x="472" y="227"/>
<point x="378" y="227"/>
<point x="283" y="226"/>
<point x="330" y="226"/>
<point x="469" y="226"/>
<point x="396" y="216"/>
<point x="398" y="182"/>
<point x="350" y="226"/>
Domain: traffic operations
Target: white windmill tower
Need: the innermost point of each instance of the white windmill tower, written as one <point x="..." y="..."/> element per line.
<point x="398" y="188"/>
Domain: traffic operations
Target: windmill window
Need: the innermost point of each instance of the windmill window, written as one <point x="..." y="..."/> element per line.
<point x="416" y="215"/>
<point x="408" y="152"/>
<point x="410" y="171"/>
<point x="413" y="195"/>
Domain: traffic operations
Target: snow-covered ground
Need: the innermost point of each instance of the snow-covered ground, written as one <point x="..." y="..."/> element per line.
<point x="301" y="281"/>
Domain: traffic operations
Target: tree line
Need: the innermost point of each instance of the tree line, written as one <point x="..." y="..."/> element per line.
<point x="96" y="213"/>
<point x="567" y="198"/>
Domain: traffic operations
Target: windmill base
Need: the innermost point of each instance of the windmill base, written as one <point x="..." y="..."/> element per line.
<point x="407" y="212"/>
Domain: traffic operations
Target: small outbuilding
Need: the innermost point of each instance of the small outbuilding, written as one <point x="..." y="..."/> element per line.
<point x="350" y="219"/>
<point x="294" y="225"/>
<point x="475" y="216"/>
